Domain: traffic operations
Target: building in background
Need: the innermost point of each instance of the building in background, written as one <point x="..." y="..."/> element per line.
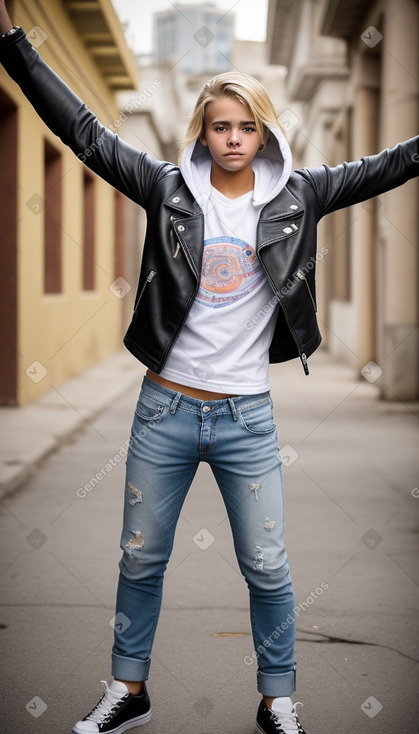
<point x="352" y="85"/>
<point x="197" y="38"/>
<point x="61" y="227"/>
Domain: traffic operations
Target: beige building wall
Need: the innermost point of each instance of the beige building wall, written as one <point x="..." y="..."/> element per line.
<point x="61" y="334"/>
<point x="353" y="70"/>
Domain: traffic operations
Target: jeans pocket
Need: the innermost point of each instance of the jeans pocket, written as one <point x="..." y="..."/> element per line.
<point x="258" y="420"/>
<point x="147" y="408"/>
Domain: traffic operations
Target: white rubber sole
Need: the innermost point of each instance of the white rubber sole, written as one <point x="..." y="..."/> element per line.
<point x="138" y="721"/>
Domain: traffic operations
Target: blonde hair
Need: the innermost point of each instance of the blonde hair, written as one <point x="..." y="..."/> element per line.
<point x="247" y="90"/>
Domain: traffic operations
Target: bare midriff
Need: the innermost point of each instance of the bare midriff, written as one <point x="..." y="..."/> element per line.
<point x="192" y="392"/>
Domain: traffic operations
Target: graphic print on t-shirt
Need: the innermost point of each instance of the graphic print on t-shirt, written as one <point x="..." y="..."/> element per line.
<point x="230" y="271"/>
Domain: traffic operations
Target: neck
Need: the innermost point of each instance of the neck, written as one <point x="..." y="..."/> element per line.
<point x="232" y="183"/>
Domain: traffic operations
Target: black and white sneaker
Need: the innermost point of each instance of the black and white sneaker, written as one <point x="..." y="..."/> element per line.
<point x="117" y="711"/>
<point x="273" y="721"/>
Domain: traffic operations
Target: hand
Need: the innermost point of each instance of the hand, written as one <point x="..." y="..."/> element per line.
<point x="5" y="22"/>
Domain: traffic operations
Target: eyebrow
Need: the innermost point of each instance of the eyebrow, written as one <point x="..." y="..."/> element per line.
<point x="227" y="122"/>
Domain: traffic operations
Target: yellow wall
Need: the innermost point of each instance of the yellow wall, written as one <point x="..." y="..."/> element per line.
<point x="70" y="331"/>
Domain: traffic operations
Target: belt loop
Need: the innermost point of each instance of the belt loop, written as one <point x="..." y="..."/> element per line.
<point x="232" y="408"/>
<point x="175" y="403"/>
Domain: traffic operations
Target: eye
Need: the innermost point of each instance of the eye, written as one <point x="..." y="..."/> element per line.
<point x="249" y="129"/>
<point x="220" y="128"/>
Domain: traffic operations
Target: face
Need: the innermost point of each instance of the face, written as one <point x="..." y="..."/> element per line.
<point x="230" y="133"/>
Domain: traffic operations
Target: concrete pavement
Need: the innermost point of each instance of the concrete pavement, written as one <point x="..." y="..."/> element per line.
<point x="30" y="433"/>
<point x="351" y="487"/>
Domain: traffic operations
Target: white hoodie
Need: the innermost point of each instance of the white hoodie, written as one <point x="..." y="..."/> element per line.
<point x="224" y="344"/>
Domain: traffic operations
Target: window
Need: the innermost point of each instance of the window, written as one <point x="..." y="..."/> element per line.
<point x="88" y="274"/>
<point x="8" y="250"/>
<point x="52" y="220"/>
<point x="119" y="259"/>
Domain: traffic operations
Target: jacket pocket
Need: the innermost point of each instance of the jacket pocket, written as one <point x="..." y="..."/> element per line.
<point x="301" y="276"/>
<point x="175" y="244"/>
<point x="148" y="280"/>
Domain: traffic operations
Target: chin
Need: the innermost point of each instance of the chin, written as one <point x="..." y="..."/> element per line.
<point x="234" y="165"/>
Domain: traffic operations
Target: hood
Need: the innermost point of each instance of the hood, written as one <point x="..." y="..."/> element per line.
<point x="272" y="168"/>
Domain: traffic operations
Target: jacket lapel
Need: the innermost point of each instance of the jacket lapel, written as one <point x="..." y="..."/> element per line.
<point x="188" y="225"/>
<point x="279" y="219"/>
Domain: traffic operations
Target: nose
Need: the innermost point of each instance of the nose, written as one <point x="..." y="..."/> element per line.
<point x="234" y="138"/>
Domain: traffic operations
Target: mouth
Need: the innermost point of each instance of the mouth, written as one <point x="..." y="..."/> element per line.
<point x="233" y="154"/>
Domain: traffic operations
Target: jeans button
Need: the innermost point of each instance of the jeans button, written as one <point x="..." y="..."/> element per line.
<point x="206" y="409"/>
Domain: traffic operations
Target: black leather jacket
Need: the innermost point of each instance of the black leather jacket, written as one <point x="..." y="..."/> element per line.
<point x="171" y="264"/>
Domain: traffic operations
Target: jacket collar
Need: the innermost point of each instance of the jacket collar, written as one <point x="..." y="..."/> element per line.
<point x="283" y="206"/>
<point x="182" y="201"/>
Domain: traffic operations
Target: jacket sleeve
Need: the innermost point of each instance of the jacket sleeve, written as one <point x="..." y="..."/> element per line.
<point x="129" y="170"/>
<point x="351" y="183"/>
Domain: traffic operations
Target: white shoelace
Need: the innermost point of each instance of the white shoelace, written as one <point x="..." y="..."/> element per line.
<point x="108" y="701"/>
<point x="288" y="723"/>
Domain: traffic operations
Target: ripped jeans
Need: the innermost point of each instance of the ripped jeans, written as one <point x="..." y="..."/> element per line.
<point x="171" y="434"/>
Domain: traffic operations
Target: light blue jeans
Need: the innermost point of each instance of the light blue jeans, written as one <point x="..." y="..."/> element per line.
<point x="171" y="434"/>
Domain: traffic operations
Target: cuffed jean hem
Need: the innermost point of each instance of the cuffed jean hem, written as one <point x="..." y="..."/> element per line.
<point x="277" y="684"/>
<point x="130" y="669"/>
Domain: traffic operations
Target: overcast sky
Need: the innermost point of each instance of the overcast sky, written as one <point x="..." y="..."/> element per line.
<point x="250" y="18"/>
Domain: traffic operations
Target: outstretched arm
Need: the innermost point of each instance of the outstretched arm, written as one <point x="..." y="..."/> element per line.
<point x="129" y="170"/>
<point x="356" y="181"/>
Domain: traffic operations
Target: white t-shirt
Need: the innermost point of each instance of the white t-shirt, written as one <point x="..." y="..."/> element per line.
<point x="224" y="344"/>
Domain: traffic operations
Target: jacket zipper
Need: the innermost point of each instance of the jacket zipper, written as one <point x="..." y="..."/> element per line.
<point x="303" y="356"/>
<point x="301" y="276"/>
<point x="148" y="280"/>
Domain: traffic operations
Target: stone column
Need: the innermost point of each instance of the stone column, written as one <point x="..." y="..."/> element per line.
<point x="363" y="230"/>
<point x="398" y="218"/>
